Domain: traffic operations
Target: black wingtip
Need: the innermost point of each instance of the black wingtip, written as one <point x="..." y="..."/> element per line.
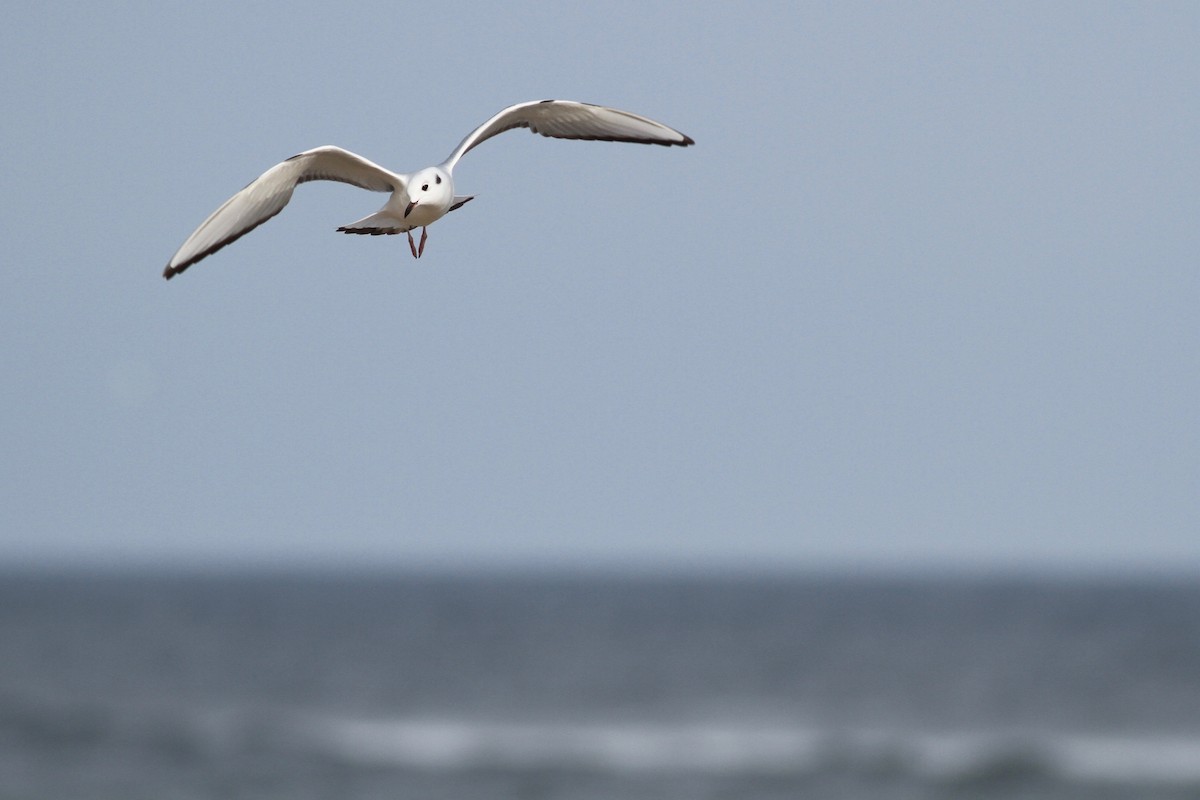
<point x="372" y="231"/>
<point x="171" y="272"/>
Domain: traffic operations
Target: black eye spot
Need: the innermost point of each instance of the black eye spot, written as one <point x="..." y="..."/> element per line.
<point x="439" y="178"/>
<point x="425" y="188"/>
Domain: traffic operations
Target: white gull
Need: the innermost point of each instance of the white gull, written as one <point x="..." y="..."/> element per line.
<point x="418" y="199"/>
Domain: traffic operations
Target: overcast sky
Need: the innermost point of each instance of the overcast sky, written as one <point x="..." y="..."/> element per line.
<point x="924" y="293"/>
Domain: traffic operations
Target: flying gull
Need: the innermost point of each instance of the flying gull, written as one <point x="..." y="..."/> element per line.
<point x="418" y="199"/>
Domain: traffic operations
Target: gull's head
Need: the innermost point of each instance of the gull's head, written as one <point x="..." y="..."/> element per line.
<point x="430" y="190"/>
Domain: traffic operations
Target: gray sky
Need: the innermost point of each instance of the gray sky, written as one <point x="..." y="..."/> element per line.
<point x="925" y="293"/>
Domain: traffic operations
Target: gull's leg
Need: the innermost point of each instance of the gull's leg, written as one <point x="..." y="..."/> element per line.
<point x="421" y="247"/>
<point x="412" y="245"/>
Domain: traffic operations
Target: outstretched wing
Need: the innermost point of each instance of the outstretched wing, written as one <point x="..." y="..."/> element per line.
<point x="566" y="119"/>
<point x="270" y="192"/>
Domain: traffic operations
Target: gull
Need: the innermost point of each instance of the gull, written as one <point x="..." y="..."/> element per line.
<point x="417" y="199"/>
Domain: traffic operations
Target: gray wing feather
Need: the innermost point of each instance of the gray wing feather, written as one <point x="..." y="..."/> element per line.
<point x="266" y="196"/>
<point x="566" y="119"/>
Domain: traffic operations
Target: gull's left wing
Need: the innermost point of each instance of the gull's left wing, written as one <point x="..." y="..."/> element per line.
<point x="566" y="119"/>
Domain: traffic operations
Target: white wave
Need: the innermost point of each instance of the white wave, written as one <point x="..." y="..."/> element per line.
<point x="1127" y="759"/>
<point x="456" y="744"/>
<point x="714" y="748"/>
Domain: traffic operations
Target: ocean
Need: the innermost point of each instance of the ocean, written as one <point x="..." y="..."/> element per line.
<point x="574" y="687"/>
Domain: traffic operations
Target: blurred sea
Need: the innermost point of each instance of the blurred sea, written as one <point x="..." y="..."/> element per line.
<point x="173" y="687"/>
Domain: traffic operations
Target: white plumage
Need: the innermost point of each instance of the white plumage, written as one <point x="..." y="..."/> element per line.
<point x="418" y="199"/>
